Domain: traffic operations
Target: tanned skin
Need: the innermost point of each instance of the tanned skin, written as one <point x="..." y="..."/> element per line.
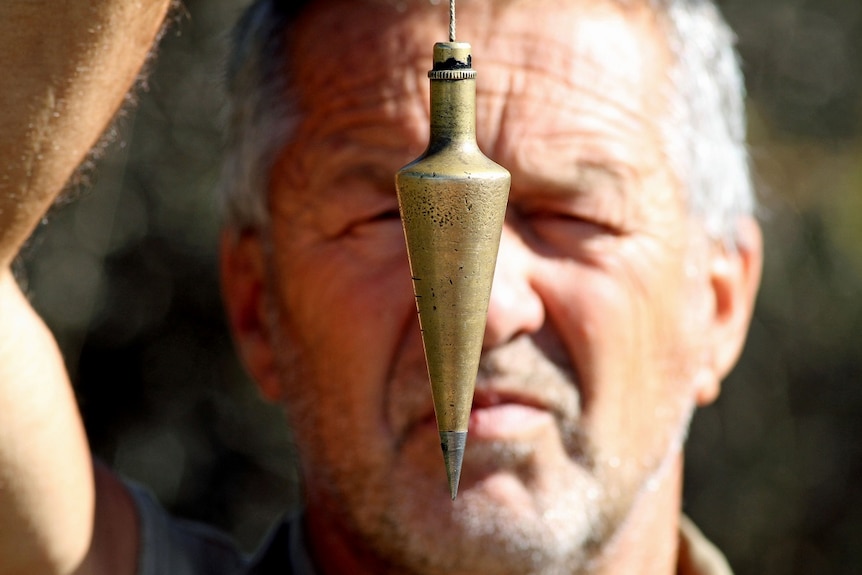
<point x="66" y="69"/>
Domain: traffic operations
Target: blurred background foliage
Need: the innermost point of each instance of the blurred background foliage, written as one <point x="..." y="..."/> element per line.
<point x="125" y="274"/>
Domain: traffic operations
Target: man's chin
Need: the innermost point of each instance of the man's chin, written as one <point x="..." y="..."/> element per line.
<point x="530" y="529"/>
<point x="512" y="450"/>
<point x="511" y="478"/>
<point x="530" y="502"/>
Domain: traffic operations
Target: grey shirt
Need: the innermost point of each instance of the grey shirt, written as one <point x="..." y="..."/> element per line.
<point x="170" y="546"/>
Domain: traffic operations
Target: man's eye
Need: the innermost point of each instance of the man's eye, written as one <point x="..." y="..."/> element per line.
<point x="564" y="218"/>
<point x="568" y="230"/>
<point x="391" y="214"/>
<point x="381" y="222"/>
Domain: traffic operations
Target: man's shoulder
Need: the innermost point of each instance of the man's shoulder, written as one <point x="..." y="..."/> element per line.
<point x="169" y="545"/>
<point x="178" y="547"/>
<point x="697" y="555"/>
<point x="284" y="552"/>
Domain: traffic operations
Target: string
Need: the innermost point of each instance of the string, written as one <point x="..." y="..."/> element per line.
<point x="451" y="20"/>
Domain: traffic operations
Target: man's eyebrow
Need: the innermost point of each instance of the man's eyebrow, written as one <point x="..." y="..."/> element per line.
<point x="584" y="177"/>
<point x="381" y="178"/>
<point x="593" y="175"/>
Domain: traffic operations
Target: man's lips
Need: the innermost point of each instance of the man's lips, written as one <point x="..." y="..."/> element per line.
<point x="518" y="384"/>
<point x="502" y="415"/>
<point x="507" y="421"/>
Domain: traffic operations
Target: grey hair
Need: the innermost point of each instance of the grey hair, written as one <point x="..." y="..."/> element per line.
<point x="705" y="127"/>
<point x="704" y="130"/>
<point x="261" y="111"/>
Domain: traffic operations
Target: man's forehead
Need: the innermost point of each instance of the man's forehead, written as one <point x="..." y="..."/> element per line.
<point x="355" y="54"/>
<point x="400" y="10"/>
<point x="402" y="5"/>
<point x="360" y="69"/>
<point x="361" y="35"/>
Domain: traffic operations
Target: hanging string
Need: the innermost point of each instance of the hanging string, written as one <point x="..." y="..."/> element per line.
<point x="451" y="20"/>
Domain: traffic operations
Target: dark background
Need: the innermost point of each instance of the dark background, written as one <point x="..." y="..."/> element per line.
<point x="125" y="274"/>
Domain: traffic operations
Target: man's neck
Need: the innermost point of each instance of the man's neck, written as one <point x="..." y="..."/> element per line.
<point x="648" y="542"/>
<point x="329" y="546"/>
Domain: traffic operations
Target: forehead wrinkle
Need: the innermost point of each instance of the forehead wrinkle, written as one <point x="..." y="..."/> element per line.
<point x="362" y="90"/>
<point x="510" y="75"/>
<point x="565" y="62"/>
<point x="367" y="76"/>
<point x="597" y="90"/>
<point x="518" y="91"/>
<point x="348" y="38"/>
<point x="590" y="127"/>
<point x="385" y="124"/>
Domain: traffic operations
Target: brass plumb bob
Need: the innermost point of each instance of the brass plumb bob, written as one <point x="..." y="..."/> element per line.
<point x="453" y="202"/>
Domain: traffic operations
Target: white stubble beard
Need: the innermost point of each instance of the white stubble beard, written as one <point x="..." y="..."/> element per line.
<point x="573" y="526"/>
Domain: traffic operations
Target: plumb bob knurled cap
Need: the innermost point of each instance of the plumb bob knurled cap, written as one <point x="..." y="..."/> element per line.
<point x="452" y="61"/>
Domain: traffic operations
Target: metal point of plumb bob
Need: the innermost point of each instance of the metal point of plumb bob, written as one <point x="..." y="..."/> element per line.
<point x="453" y="202"/>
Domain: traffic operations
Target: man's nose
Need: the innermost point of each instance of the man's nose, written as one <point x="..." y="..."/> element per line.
<point x="515" y="307"/>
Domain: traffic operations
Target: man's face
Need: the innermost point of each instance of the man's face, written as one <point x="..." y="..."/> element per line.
<point x="594" y="341"/>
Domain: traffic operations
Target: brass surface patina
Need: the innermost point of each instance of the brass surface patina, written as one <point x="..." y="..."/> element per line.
<point x="453" y="202"/>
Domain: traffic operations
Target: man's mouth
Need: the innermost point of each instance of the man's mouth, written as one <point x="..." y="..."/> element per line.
<point x="498" y="416"/>
<point x="518" y="390"/>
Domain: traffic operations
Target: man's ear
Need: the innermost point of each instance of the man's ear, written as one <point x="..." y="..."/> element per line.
<point x="246" y="300"/>
<point x="734" y="276"/>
